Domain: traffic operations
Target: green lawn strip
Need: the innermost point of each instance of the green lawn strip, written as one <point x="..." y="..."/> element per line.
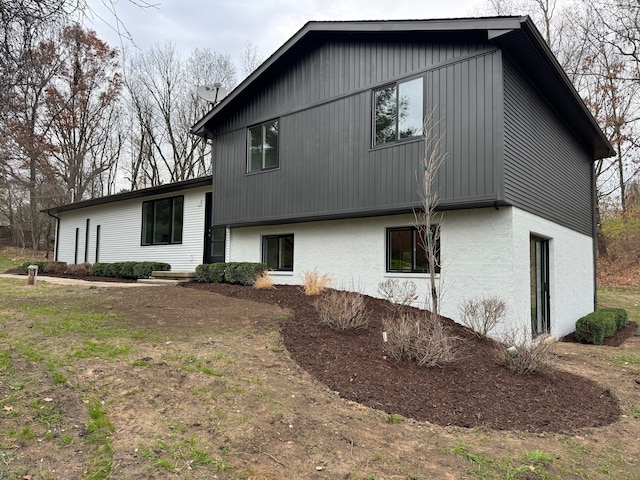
<point x="621" y="298"/>
<point x="98" y="437"/>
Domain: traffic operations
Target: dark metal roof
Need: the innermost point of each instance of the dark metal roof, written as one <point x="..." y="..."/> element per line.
<point x="516" y="36"/>
<point x="144" y="192"/>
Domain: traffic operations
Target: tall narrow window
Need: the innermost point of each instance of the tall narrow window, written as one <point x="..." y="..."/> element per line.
<point x="75" y="253"/>
<point x="218" y="238"/>
<point x="406" y="250"/>
<point x="397" y="112"/>
<point x="277" y="252"/>
<point x="263" y="147"/>
<point x="86" y="242"/>
<point x="162" y="221"/>
<point x="97" y="243"/>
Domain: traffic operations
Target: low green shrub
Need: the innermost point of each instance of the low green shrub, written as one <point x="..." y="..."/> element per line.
<point x="595" y="327"/>
<point x="202" y="273"/>
<point x="127" y="269"/>
<point x="210" y="273"/>
<point x="230" y="272"/>
<point x="620" y="315"/>
<point x="101" y="269"/>
<point x="144" y="269"/>
<point x="243" y="273"/>
<point x="42" y="266"/>
<point x="216" y="272"/>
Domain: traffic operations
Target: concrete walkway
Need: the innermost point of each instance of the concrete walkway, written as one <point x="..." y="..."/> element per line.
<point x="77" y="281"/>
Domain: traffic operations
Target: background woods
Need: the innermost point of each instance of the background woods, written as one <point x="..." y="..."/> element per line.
<point x="81" y="119"/>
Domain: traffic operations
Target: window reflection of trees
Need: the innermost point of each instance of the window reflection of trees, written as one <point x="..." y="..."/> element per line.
<point x="398" y="111"/>
<point x="263" y="146"/>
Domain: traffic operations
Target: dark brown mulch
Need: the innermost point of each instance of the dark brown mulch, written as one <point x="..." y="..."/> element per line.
<point x="471" y="392"/>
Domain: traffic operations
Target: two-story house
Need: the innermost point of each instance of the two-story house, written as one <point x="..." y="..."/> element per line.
<point x="316" y="158"/>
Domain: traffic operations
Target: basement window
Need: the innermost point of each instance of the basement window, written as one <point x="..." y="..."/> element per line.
<point x="277" y="252"/>
<point x="406" y="250"/>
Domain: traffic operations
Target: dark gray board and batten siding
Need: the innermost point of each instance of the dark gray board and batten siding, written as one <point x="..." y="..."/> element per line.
<point x="327" y="166"/>
<point x="547" y="172"/>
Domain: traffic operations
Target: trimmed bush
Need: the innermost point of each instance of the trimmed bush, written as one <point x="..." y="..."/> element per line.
<point x="42" y="266"/>
<point x="101" y="269"/>
<point x="620" y="315"/>
<point x="144" y="269"/>
<point x="127" y="269"/>
<point x="230" y="274"/>
<point x="216" y="272"/>
<point x="243" y="273"/>
<point x="202" y="273"/>
<point x="596" y="326"/>
<point x="210" y="273"/>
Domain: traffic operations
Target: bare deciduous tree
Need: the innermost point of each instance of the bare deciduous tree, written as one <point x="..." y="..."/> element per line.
<point x="82" y="106"/>
<point x="162" y="88"/>
<point x="427" y="219"/>
<point x="250" y="59"/>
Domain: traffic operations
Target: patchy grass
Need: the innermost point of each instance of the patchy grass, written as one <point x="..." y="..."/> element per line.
<point x="11" y="257"/>
<point x="628" y="299"/>
<point x="108" y="394"/>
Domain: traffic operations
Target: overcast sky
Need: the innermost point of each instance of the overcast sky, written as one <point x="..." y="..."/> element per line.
<point x="225" y="26"/>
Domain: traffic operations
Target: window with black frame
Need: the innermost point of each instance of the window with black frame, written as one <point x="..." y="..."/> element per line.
<point x="263" y="147"/>
<point x="398" y="112"/>
<point x="277" y="252"/>
<point x="406" y="250"/>
<point x="162" y="221"/>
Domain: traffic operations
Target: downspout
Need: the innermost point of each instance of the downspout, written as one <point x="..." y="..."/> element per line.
<point x="55" y="255"/>
<point x="594" y="236"/>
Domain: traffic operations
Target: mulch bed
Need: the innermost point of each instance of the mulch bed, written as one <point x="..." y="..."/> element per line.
<point x="474" y="391"/>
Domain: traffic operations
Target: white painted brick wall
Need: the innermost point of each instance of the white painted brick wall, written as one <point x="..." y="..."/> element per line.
<point x="484" y="252"/>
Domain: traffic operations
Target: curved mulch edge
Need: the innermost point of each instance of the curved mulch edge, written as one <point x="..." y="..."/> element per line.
<point x="473" y="391"/>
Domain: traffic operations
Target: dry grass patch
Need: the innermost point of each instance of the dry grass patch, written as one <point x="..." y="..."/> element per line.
<point x="314" y="283"/>
<point x="264" y="281"/>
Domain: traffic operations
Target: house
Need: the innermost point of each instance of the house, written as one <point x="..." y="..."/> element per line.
<point x="316" y="158"/>
<point x="167" y="223"/>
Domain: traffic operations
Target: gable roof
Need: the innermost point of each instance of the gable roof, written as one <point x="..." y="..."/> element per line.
<point x="144" y="192"/>
<point x="517" y="36"/>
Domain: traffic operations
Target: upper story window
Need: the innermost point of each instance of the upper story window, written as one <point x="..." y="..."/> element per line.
<point x="162" y="221"/>
<point x="262" y="141"/>
<point x="397" y="112"/>
<point x="406" y="250"/>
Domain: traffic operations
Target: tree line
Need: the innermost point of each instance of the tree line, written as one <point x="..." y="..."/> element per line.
<point x="80" y="119"/>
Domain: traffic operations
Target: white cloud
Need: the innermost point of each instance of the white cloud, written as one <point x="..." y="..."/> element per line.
<point x="225" y="26"/>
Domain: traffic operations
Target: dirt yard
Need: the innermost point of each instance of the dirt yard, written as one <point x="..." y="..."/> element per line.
<point x="267" y="393"/>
